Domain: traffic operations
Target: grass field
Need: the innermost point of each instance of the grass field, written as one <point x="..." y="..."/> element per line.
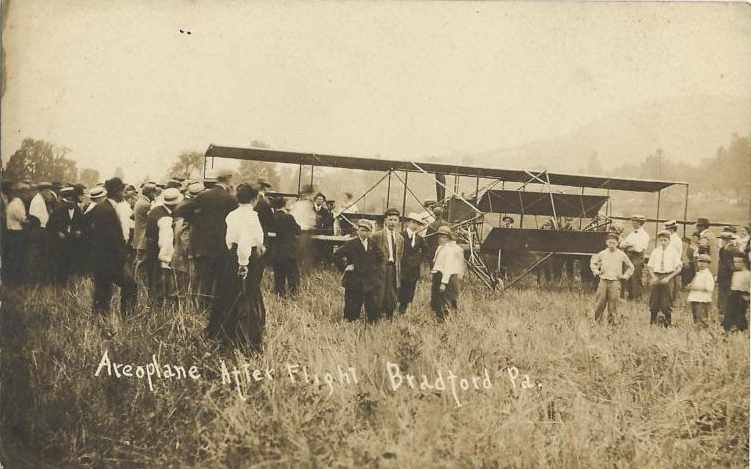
<point x="593" y="396"/>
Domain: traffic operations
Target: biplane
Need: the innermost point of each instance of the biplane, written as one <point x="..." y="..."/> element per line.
<point x="527" y="194"/>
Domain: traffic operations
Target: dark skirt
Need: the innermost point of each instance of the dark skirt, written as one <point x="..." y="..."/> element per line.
<point x="238" y="315"/>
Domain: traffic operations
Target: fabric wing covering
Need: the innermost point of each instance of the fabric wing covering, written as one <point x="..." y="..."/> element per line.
<point x="538" y="203"/>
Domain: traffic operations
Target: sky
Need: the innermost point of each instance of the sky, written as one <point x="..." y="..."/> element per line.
<point x="120" y="85"/>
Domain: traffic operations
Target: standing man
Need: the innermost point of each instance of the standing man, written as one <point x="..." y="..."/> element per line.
<point x="448" y="270"/>
<point x="109" y="252"/>
<point x="609" y="265"/>
<point x="360" y="259"/>
<point x="207" y="214"/>
<point x="635" y="245"/>
<point x="725" y="268"/>
<point x="140" y="212"/>
<point x="664" y="265"/>
<point x="15" y="245"/>
<point x="265" y="217"/>
<point x="676" y="244"/>
<point x="702" y="227"/>
<point x="65" y="228"/>
<point x="391" y="242"/>
<point x="284" y="248"/>
<point x="160" y="238"/>
<point x="415" y="249"/>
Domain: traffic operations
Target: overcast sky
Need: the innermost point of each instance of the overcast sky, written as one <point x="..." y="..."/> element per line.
<point x="121" y="86"/>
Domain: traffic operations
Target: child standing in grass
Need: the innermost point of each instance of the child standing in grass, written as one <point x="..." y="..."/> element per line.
<point x="700" y="291"/>
<point x="608" y="265"/>
<point x="737" y="302"/>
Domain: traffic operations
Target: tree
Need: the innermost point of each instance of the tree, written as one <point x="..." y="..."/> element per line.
<point x="250" y="171"/>
<point x="189" y="164"/>
<point x="89" y="177"/>
<point x="39" y="160"/>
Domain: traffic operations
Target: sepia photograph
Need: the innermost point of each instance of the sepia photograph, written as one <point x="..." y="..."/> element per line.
<point x="458" y="234"/>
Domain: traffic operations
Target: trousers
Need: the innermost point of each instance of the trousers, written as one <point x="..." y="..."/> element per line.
<point x="608" y="294"/>
<point x="661" y="301"/>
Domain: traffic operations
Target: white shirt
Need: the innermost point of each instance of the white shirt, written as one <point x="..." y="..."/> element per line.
<point x="166" y="238"/>
<point x="701" y="287"/>
<point x="15" y="214"/>
<point x="390" y="241"/>
<point x="449" y="260"/>
<point x="664" y="261"/>
<point x="411" y="235"/>
<point x="637" y="240"/>
<point x="244" y="229"/>
<point x="123" y="214"/>
<point x="38" y="209"/>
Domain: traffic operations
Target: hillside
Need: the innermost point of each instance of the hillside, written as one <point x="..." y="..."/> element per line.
<point x="687" y="129"/>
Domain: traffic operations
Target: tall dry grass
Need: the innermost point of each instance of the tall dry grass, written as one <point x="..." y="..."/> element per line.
<point x="600" y="396"/>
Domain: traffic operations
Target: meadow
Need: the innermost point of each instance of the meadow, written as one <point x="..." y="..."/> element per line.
<point x="564" y="391"/>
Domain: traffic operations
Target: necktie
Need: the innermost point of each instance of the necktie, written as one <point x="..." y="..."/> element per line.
<point x="662" y="261"/>
<point x="392" y="248"/>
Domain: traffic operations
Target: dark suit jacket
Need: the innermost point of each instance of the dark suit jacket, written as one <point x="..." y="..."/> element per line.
<point x="266" y="217"/>
<point x="72" y="228"/>
<point x="324" y="219"/>
<point x="108" y="249"/>
<point x="367" y="274"/>
<point x="412" y="257"/>
<point x="379" y="238"/>
<point x="206" y="214"/>
<point x="284" y="245"/>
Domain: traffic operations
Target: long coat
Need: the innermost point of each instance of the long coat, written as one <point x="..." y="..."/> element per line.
<point x="366" y="275"/>
<point x="206" y="214"/>
<point x="108" y="249"/>
<point x="379" y="238"/>
<point x="286" y="229"/>
<point x="413" y="257"/>
<point x="72" y="229"/>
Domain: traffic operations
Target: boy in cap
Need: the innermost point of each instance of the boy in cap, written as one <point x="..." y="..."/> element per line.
<point x="737" y="303"/>
<point x="360" y="259"/>
<point x="700" y="291"/>
<point x="664" y="264"/>
<point x="609" y="265"/>
<point x="448" y="270"/>
<point x="635" y="246"/>
<point x="413" y="254"/>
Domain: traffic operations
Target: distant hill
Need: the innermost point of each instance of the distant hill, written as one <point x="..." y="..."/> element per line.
<point x="687" y="129"/>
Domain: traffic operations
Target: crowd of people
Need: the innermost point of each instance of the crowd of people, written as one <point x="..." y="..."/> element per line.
<point x="713" y="269"/>
<point x="210" y="242"/>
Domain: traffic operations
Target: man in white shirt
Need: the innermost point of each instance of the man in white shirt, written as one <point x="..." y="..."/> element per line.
<point x="676" y="244"/>
<point x="15" y="240"/>
<point x="391" y="242"/>
<point x="448" y="270"/>
<point x="664" y="265"/>
<point x="635" y="245"/>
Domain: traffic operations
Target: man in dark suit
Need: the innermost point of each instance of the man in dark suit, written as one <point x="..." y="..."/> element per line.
<point x="109" y="252"/>
<point x="415" y="250"/>
<point x="65" y="229"/>
<point x="206" y="213"/>
<point x="265" y="217"/>
<point x="360" y="258"/>
<point x="391" y="242"/>
<point x="284" y="248"/>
